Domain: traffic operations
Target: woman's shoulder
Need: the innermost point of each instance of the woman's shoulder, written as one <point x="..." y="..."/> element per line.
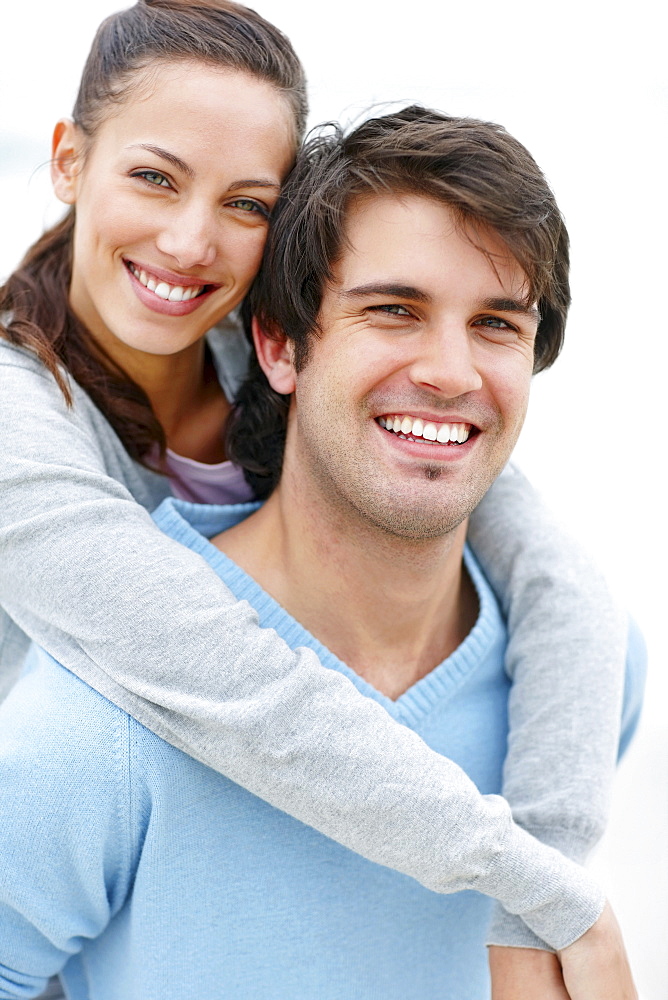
<point x="21" y="368"/>
<point x="13" y="356"/>
<point x="30" y="392"/>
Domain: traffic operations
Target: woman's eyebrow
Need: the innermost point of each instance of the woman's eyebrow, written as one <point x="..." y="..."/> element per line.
<point x="172" y="158"/>
<point x="181" y="165"/>
<point x="255" y="182"/>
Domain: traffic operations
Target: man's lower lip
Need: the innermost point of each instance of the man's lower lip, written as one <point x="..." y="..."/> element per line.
<point x="164" y="306"/>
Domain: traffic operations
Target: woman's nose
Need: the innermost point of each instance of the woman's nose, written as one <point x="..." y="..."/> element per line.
<point x="191" y="237"/>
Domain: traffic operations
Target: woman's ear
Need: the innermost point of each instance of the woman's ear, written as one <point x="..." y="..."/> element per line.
<point x="275" y="357"/>
<point x="66" y="157"/>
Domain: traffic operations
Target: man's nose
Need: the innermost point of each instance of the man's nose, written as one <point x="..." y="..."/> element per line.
<point x="446" y="362"/>
<point x="191" y="236"/>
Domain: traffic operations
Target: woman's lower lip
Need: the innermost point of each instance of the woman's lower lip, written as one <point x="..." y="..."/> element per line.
<point x="164" y="306"/>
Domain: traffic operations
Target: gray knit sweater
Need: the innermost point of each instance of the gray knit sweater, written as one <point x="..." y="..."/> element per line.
<point x="86" y="573"/>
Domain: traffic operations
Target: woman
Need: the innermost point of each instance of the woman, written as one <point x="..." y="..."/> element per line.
<point x="186" y="123"/>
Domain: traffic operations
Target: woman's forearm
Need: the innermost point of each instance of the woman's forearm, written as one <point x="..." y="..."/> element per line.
<point x="567" y="650"/>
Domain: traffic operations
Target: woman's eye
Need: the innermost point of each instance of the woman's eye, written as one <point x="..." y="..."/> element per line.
<point x="153" y="177"/>
<point x="250" y="205"/>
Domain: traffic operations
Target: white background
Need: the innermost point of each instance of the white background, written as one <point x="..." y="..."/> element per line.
<point x="584" y="86"/>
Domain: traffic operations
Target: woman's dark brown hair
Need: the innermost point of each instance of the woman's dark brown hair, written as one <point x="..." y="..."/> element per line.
<point x="35" y="297"/>
<point x="475" y="167"/>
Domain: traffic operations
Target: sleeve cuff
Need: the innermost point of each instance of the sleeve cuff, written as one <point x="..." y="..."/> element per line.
<point x="510" y="931"/>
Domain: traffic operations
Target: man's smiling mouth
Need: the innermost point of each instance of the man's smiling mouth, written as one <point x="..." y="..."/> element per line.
<point x="164" y="290"/>
<point x="425" y="431"/>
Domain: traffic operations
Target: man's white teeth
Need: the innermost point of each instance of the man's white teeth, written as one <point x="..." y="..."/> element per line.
<point x="171" y="293"/>
<point x="428" y="431"/>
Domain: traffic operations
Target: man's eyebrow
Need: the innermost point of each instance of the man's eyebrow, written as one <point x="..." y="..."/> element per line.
<point x="387" y="288"/>
<point x="511" y="306"/>
<point x="164" y="154"/>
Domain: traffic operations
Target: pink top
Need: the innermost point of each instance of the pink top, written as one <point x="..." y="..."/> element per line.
<point x="201" y="483"/>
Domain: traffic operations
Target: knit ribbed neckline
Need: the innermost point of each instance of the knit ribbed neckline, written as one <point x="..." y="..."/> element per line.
<point x="192" y="525"/>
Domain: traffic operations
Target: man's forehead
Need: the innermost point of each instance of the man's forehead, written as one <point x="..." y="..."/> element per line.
<point x="369" y="210"/>
<point x="408" y="245"/>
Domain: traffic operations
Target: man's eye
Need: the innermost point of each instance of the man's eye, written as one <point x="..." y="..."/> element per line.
<point x="392" y="308"/>
<point x="249" y="205"/>
<point x="153" y="177"/>
<point x="495" y="322"/>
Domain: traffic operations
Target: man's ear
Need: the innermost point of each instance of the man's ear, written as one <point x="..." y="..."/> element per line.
<point x="275" y="357"/>
<point x="66" y="160"/>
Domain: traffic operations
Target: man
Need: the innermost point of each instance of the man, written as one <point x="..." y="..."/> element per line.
<point x="398" y="355"/>
<point x="401" y="311"/>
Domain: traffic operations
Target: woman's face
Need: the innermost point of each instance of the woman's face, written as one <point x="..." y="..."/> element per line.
<point x="172" y="202"/>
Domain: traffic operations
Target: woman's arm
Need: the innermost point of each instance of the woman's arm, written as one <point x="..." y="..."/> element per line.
<point x="529" y="974"/>
<point x="525" y="974"/>
<point x="143" y="620"/>
<point x="568" y="645"/>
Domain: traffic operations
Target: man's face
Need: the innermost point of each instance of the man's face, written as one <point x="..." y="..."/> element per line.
<point x="411" y="401"/>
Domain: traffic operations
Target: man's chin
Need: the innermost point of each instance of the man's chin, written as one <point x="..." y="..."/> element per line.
<point x="430" y="507"/>
<point x="416" y="522"/>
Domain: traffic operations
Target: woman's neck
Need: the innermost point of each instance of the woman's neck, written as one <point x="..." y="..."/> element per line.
<point x="186" y="397"/>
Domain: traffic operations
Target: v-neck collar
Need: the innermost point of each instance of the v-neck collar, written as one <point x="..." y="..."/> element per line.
<point x="193" y="524"/>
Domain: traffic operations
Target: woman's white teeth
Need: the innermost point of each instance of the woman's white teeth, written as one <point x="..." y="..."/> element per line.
<point x="171" y="293"/>
<point x="427" y="430"/>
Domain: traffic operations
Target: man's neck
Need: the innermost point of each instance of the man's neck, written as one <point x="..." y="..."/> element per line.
<point x="389" y="607"/>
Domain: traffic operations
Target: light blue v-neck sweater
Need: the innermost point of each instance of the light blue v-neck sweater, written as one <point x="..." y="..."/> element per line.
<point x="157" y="878"/>
<point x="86" y="574"/>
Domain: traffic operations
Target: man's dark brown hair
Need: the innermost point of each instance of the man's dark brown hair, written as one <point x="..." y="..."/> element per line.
<point x="480" y="171"/>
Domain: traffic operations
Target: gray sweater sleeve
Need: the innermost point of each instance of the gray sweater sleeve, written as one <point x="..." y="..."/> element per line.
<point x="86" y="573"/>
<point x="566" y="656"/>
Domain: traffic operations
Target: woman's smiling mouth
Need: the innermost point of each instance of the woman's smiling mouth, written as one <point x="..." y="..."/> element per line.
<point x="170" y="297"/>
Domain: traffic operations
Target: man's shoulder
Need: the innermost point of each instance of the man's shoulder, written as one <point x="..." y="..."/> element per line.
<point x="54" y="719"/>
<point x="74" y="753"/>
<point x="44" y="682"/>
